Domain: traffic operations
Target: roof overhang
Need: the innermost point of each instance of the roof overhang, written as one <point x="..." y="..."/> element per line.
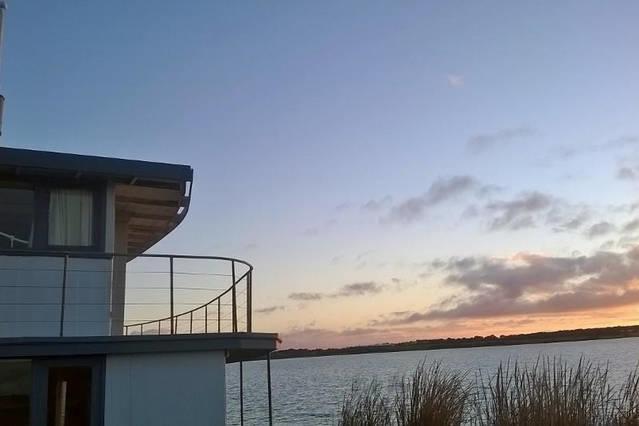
<point x="153" y="197"/>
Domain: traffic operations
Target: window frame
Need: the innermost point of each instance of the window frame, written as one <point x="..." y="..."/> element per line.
<point x="42" y="188"/>
<point x="30" y="187"/>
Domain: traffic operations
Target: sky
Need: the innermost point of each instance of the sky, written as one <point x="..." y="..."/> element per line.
<point x="393" y="170"/>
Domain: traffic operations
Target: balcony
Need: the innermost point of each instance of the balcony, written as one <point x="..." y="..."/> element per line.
<point x="62" y="294"/>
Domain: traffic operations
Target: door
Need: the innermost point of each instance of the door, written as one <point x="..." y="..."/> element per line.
<point x="68" y="392"/>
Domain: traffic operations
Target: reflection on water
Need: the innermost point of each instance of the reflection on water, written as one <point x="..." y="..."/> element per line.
<point x="308" y="391"/>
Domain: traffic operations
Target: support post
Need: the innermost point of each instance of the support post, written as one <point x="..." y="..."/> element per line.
<point x="173" y="326"/>
<point x="206" y="318"/>
<point x="241" y="394"/>
<point x="249" y="302"/>
<point x="63" y="296"/>
<point x="234" y="293"/>
<point x="270" y="402"/>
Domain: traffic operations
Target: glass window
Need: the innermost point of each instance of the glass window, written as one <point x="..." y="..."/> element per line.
<point x="16" y="218"/>
<point x="70" y="217"/>
<point x="15" y="392"/>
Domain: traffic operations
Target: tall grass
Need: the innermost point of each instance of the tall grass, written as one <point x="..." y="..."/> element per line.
<point x="550" y="392"/>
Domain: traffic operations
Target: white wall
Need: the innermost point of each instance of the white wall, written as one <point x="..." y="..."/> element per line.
<point x="165" y="389"/>
<point x="31" y="292"/>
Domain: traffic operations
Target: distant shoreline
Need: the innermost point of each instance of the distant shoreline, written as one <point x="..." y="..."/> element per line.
<point x="576" y="335"/>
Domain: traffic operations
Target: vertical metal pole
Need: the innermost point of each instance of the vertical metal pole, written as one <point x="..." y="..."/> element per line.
<point x="159" y="327"/>
<point x="63" y="296"/>
<point x="241" y="394"/>
<point x="191" y="326"/>
<point x="126" y="330"/>
<point x="3" y="7"/>
<point x="219" y="316"/>
<point x="173" y="326"/>
<point x="141" y="329"/>
<point x="270" y="402"/>
<point x="234" y="293"/>
<point x="249" y="302"/>
<point x="206" y="318"/>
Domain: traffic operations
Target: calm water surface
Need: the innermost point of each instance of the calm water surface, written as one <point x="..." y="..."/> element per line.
<point x="308" y="391"/>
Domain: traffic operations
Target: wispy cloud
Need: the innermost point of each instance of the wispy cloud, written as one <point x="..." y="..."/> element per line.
<point x="482" y="142"/>
<point x="456" y="81"/>
<point x="628" y="173"/>
<point x="443" y="189"/>
<point x="376" y="205"/>
<point x="519" y="212"/>
<point x="600" y="229"/>
<point x="270" y="309"/>
<point x="348" y="290"/>
<point x="618" y="143"/>
<point x="305" y="297"/>
<point x="358" y="289"/>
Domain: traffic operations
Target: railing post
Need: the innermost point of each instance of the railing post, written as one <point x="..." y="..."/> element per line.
<point x="219" y="315"/>
<point x="241" y="394"/>
<point x="206" y="318"/>
<point x="270" y="402"/>
<point x="191" y="326"/>
<point x="249" y="302"/>
<point x="234" y="293"/>
<point x="64" y="294"/>
<point x="171" y="284"/>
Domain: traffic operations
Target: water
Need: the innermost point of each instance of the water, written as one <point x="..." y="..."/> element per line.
<point x="309" y="391"/>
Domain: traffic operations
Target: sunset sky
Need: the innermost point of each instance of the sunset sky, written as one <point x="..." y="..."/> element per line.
<point x="393" y="170"/>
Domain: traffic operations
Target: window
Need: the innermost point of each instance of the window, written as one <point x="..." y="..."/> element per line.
<point x="16" y="218"/>
<point x="69" y="396"/>
<point x="71" y="217"/>
<point x="15" y="392"/>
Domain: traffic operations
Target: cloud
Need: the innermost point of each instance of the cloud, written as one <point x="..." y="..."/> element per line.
<point x="443" y="189"/>
<point x="304" y="297"/>
<point x="314" y="231"/>
<point x="483" y="142"/>
<point x="600" y="229"/>
<point x="627" y="173"/>
<point x="456" y="81"/>
<point x="631" y="226"/>
<point x="567" y="217"/>
<point x="270" y="309"/>
<point x="347" y="290"/>
<point x="358" y="289"/>
<point x="529" y="284"/>
<point x="377" y="205"/>
<point x="518" y="213"/>
<point x="621" y="142"/>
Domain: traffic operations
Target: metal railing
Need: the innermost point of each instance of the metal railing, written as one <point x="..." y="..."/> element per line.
<point x="145" y="294"/>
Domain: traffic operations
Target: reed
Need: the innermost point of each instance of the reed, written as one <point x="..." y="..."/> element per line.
<point x="548" y="392"/>
<point x="431" y="396"/>
<point x="365" y="405"/>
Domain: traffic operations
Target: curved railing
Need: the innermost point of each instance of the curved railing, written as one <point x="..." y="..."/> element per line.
<point x="239" y="284"/>
<point x="55" y="293"/>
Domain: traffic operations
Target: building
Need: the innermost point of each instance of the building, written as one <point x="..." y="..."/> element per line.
<point x="94" y="331"/>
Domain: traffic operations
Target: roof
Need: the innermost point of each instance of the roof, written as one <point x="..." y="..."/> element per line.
<point x="153" y="197"/>
<point x="46" y="162"/>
